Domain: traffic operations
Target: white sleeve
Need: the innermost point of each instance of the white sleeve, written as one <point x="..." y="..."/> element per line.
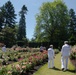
<point x="53" y="53"/>
<point x="62" y="50"/>
<point x="70" y="50"/>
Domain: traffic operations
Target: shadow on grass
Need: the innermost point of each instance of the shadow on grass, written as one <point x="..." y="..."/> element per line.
<point x="55" y="69"/>
<point x="73" y="71"/>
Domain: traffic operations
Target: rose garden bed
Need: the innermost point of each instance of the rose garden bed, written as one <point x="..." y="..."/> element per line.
<point x="21" y="62"/>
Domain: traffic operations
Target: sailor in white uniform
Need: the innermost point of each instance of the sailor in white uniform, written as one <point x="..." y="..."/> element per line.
<point x="51" y="57"/>
<point x="65" y="52"/>
<point x="4" y="48"/>
<point x="41" y="48"/>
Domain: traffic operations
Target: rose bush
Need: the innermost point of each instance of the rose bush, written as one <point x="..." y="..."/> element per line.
<point x="73" y="53"/>
<point x="73" y="56"/>
<point x="30" y="60"/>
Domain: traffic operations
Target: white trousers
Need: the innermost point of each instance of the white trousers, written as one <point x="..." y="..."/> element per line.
<point x="50" y="62"/>
<point x="64" y="62"/>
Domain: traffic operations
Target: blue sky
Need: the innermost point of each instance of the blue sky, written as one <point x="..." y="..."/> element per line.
<point x="33" y="8"/>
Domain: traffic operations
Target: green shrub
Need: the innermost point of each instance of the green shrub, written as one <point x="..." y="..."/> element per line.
<point x="56" y="51"/>
<point x="3" y="70"/>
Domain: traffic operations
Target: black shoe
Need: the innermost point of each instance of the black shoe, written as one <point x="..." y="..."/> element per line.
<point x="62" y="69"/>
<point x="65" y="70"/>
<point x="54" y="67"/>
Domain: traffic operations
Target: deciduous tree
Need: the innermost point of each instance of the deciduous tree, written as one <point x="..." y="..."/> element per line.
<point x="51" y="22"/>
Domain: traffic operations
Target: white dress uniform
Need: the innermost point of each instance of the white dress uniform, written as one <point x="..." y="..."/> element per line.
<point x="50" y="58"/>
<point x="41" y="48"/>
<point x="4" y="48"/>
<point x="65" y="52"/>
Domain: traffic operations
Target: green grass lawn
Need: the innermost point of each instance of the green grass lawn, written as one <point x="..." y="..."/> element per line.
<point x="45" y="71"/>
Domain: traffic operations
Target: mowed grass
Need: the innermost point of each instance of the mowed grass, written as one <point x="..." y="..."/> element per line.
<point x="57" y="71"/>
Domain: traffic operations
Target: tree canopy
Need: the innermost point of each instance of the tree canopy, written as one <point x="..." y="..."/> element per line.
<point x="72" y="26"/>
<point x="8" y="14"/>
<point x="51" y="22"/>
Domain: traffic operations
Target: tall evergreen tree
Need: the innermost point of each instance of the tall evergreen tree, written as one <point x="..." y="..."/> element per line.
<point x="2" y="11"/>
<point x="72" y="25"/>
<point x="7" y="20"/>
<point x="1" y="20"/>
<point x="8" y="14"/>
<point x="22" y="23"/>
